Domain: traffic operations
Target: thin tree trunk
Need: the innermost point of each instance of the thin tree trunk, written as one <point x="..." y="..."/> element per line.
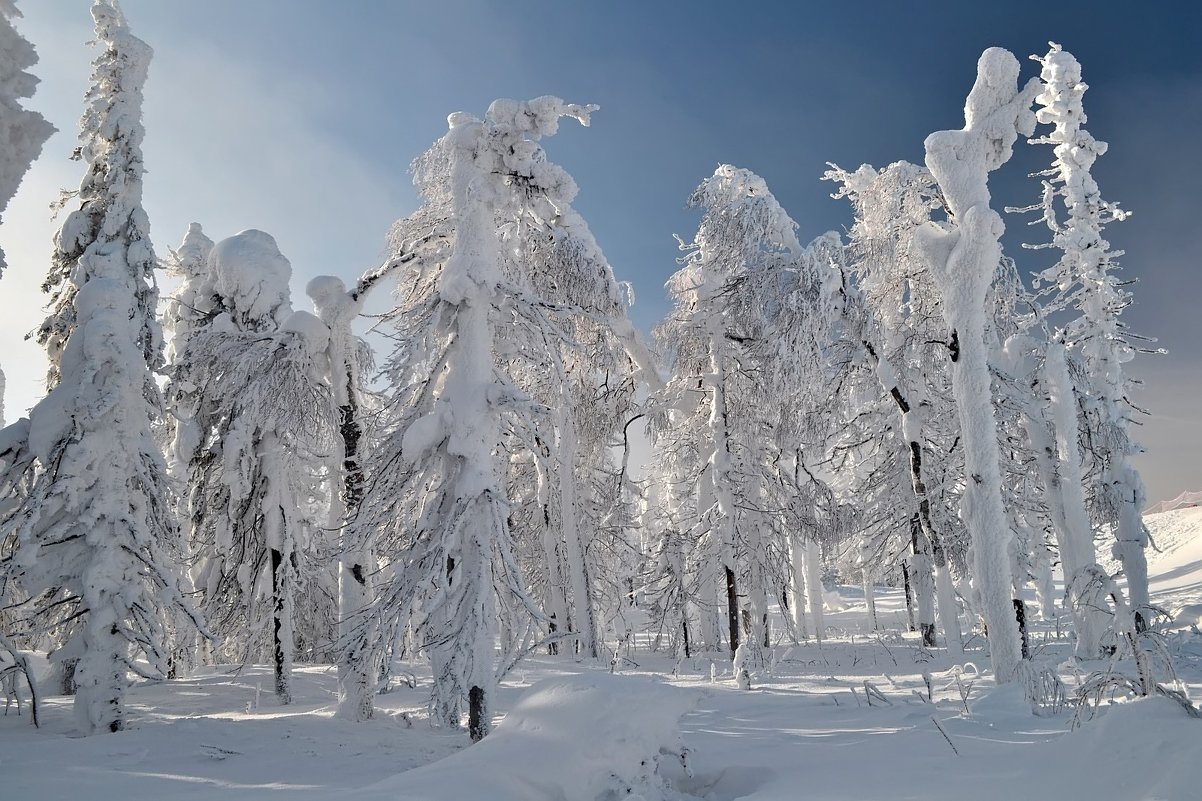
<point x="583" y="618"/>
<point x="279" y="628"/>
<point x="924" y="588"/>
<point x="813" y="564"/>
<point x="797" y="585"/>
<point x="909" y="595"/>
<point x="1020" y="616"/>
<point x="356" y="671"/>
<point x="477" y="726"/>
<point x="870" y="598"/>
<point x="732" y="611"/>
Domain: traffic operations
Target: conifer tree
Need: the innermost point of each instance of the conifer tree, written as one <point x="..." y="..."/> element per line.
<point x="1084" y="280"/>
<point x="94" y="534"/>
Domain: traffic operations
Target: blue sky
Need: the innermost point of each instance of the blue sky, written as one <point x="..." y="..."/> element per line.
<point x="301" y="117"/>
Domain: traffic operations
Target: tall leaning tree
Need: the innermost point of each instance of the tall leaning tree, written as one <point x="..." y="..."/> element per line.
<point x="964" y="253"/>
<point x="93" y="537"/>
<point x="1084" y="280"/>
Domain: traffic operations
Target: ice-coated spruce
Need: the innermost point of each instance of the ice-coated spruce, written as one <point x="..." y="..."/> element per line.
<point x="97" y="545"/>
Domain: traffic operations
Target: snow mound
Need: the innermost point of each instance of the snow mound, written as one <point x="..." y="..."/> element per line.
<point x="592" y="737"/>
<point x="1140" y="749"/>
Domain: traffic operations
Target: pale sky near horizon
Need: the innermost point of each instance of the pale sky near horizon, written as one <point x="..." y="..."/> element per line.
<point x="301" y="117"/>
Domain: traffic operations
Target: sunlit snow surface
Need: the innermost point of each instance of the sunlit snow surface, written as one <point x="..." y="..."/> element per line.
<point x="807" y="731"/>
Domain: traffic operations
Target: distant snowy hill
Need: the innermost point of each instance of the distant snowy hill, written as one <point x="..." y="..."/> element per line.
<point x="1175" y="566"/>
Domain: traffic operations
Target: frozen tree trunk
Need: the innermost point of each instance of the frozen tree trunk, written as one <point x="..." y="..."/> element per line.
<point x="356" y="682"/>
<point x="985" y="516"/>
<point x="732" y="610"/>
<point x="963" y="260"/>
<point x="281" y="585"/>
<point x="797" y="584"/>
<point x="908" y="588"/>
<point x="65" y="676"/>
<point x="813" y="571"/>
<point x="949" y="608"/>
<point x="338" y="309"/>
<point x="1058" y="461"/>
<point x="557" y="599"/>
<point x="869" y="582"/>
<point x="1131" y="540"/>
<point x="712" y="580"/>
<point x="1020" y="616"/>
<point x="1044" y="587"/>
<point x="757" y="596"/>
<point x="912" y="422"/>
<point x="924" y="585"/>
<point x="722" y="472"/>
<point x="99" y="675"/>
<point x="583" y="619"/>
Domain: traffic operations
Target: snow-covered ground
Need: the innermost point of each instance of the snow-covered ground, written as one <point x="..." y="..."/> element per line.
<point x="807" y="730"/>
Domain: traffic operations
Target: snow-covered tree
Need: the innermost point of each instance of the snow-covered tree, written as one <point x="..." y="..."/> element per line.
<point x="436" y="497"/>
<point x="587" y="369"/>
<point x="347" y="359"/>
<point x="259" y="372"/>
<point x="337" y="307"/>
<point x="719" y="416"/>
<point x="1085" y="281"/>
<point x="93" y="531"/>
<point x="22" y="132"/>
<point x="112" y="150"/>
<point x="188" y="311"/>
<point x="901" y="333"/>
<point x="799" y="360"/>
<point x="963" y="254"/>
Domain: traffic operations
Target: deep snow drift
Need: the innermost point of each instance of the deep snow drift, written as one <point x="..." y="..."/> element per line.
<point x="807" y="730"/>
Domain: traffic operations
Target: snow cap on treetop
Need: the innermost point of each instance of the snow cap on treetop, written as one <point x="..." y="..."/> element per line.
<point x="537" y="117"/>
<point x="112" y="27"/>
<point x="252" y="275"/>
<point x="314" y="333"/>
<point x="194" y="251"/>
<point x="324" y="289"/>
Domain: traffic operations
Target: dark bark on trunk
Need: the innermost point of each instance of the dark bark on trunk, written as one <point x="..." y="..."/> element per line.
<point x="352" y="470"/>
<point x="684" y="625"/>
<point x="1020" y="614"/>
<point x="732" y="611"/>
<point x="552" y="627"/>
<point x="67" y="677"/>
<point x="909" y="594"/>
<point x="476" y="725"/>
<point x="918" y="544"/>
<point x="277" y="595"/>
